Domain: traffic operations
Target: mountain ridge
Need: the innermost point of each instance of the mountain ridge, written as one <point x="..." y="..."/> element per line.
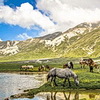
<point x="58" y="44"/>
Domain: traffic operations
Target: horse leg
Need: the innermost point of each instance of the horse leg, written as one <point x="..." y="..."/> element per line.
<point x="55" y="81"/>
<point x="72" y="66"/>
<point x="51" y="81"/>
<point x="69" y="82"/>
<point x="84" y="66"/>
<point x="64" y="82"/>
<point x="91" y="69"/>
<point x="81" y="65"/>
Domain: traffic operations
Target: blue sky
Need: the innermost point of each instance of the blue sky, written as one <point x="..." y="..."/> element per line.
<point x="24" y="19"/>
<point x="12" y="32"/>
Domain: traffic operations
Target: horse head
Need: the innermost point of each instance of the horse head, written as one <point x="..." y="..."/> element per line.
<point x="65" y="66"/>
<point x="76" y="80"/>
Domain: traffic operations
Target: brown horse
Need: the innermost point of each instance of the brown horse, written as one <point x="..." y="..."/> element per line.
<point x="44" y="68"/>
<point x="89" y="62"/>
<point x="83" y="62"/>
<point x="92" y="65"/>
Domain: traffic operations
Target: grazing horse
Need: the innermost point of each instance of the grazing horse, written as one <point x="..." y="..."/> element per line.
<point x="26" y="67"/>
<point x="44" y="68"/>
<point x="62" y="73"/>
<point x="83" y="62"/>
<point x="68" y="65"/>
<point x="92" y="65"/>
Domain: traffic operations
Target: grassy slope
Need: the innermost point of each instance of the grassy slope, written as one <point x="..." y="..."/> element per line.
<point x="30" y="51"/>
<point x="84" y="44"/>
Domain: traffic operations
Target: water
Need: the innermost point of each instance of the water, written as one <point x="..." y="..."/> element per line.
<point x="15" y="83"/>
<point x="78" y="95"/>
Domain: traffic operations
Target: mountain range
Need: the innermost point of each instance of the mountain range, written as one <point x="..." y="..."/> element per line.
<point x="82" y="40"/>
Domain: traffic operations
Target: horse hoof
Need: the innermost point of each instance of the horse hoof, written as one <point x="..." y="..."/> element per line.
<point x="56" y="85"/>
<point x="63" y="85"/>
<point x="69" y="85"/>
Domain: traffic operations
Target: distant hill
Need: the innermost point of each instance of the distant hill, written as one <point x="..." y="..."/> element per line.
<point x="81" y="41"/>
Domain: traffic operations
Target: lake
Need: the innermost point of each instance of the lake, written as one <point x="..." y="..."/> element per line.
<point x="15" y="83"/>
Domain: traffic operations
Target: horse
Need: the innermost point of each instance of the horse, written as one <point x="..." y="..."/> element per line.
<point x="68" y="65"/>
<point x="26" y="67"/>
<point x="92" y="65"/>
<point x="62" y="73"/>
<point x="83" y="62"/>
<point x="44" y="68"/>
<point x="89" y="62"/>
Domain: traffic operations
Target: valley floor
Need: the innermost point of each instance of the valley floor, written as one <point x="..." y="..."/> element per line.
<point x="88" y="80"/>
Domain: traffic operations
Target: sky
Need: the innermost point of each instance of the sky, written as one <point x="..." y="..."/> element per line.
<point x="24" y="19"/>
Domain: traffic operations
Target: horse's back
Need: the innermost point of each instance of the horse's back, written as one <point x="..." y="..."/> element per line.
<point x="30" y="66"/>
<point x="52" y="71"/>
<point x="63" y="72"/>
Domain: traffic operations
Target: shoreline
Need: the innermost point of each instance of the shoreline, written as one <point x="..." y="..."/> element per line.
<point x="21" y="72"/>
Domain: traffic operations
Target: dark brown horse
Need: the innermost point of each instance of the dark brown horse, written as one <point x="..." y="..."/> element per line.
<point x="69" y="65"/>
<point x="92" y="65"/>
<point x="44" y="68"/>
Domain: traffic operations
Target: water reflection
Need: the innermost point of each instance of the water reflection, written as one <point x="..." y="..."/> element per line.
<point x="62" y="96"/>
<point x="78" y="95"/>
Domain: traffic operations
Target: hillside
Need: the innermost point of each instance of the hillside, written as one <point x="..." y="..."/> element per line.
<point x="87" y="46"/>
<point x="81" y="41"/>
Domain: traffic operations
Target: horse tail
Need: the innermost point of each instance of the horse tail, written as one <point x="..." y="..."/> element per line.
<point x="51" y="73"/>
<point x="48" y="76"/>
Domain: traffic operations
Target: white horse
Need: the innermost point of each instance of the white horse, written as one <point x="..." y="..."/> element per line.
<point x="27" y="67"/>
<point x="62" y="73"/>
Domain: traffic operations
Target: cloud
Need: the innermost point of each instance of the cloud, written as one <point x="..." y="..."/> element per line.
<point x="0" y="39"/>
<point x="24" y="36"/>
<point x="51" y="15"/>
<point x="25" y="16"/>
<point x="67" y="15"/>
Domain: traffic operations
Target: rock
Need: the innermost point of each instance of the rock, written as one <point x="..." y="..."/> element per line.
<point x="6" y="99"/>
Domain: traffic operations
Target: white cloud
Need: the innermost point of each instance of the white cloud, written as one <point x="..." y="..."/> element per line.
<point x="25" y="16"/>
<point x="67" y="15"/>
<point x="0" y="39"/>
<point x="64" y="13"/>
<point x="24" y="36"/>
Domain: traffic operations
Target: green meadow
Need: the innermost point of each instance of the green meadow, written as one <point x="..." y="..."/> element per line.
<point x="88" y="80"/>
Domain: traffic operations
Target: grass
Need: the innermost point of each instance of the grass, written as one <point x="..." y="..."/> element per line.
<point x="15" y="67"/>
<point x="87" y="80"/>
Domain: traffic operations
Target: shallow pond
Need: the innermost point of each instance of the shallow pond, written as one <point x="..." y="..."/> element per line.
<point x="15" y="83"/>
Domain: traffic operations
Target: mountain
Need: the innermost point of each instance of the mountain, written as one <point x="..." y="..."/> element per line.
<point x="81" y="40"/>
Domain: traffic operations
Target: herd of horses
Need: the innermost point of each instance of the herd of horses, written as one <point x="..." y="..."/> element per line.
<point x="64" y="72"/>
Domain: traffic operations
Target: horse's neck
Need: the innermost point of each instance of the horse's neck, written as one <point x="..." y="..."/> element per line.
<point x="74" y="75"/>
